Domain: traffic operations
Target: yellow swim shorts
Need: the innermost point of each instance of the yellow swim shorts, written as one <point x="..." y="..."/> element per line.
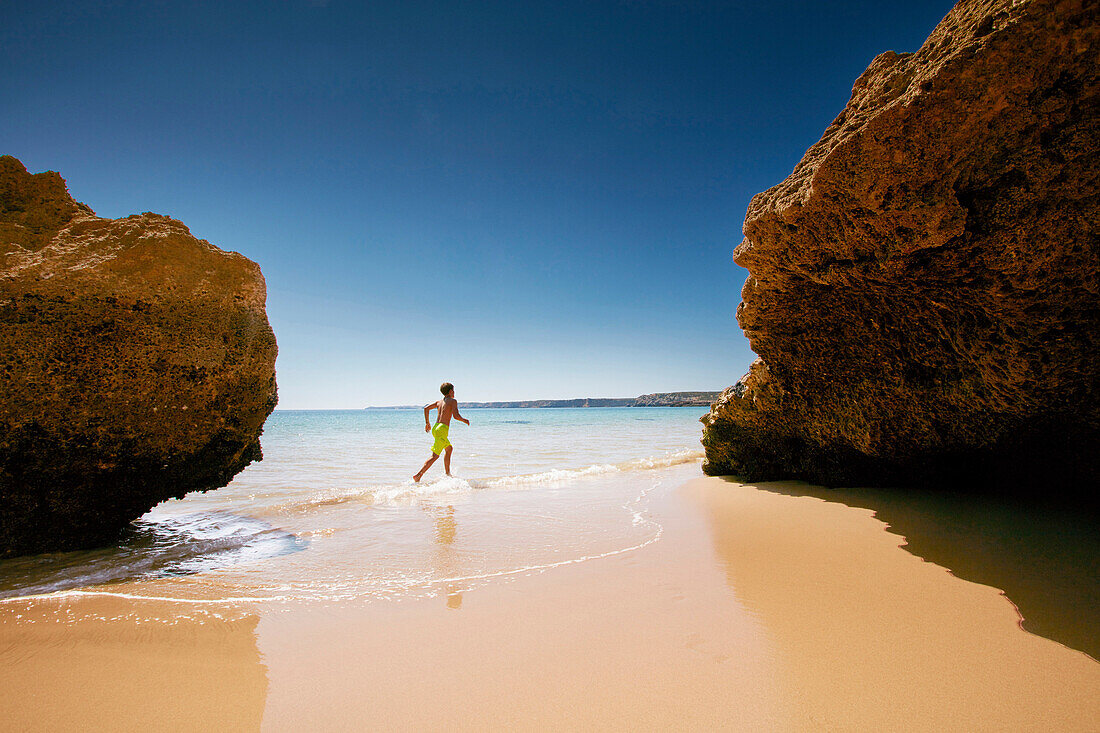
<point x="439" y="432"/>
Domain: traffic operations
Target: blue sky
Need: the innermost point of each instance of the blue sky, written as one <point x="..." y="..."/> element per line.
<point x="528" y="199"/>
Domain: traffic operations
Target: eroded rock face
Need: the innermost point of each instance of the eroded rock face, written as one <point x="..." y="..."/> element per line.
<point x="924" y="289"/>
<point x="136" y="364"/>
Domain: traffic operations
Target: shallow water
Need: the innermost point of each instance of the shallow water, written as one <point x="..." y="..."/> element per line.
<point x="331" y="513"/>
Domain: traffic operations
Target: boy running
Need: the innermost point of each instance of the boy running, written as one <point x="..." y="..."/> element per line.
<point x="448" y="408"/>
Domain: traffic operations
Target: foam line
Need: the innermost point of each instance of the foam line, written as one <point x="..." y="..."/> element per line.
<point x="453" y="486"/>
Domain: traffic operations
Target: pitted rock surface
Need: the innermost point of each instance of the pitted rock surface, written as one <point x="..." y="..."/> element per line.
<point x="924" y="288"/>
<point x="136" y="364"/>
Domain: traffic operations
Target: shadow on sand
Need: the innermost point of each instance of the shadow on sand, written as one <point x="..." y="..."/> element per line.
<point x="1047" y="561"/>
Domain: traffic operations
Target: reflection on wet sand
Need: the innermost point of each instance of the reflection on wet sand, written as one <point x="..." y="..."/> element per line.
<point x="443" y="560"/>
<point x="643" y="640"/>
<point x="1046" y="561"/>
<point x="106" y="663"/>
<point x="870" y="637"/>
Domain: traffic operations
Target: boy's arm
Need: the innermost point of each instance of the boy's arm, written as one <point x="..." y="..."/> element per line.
<point x="459" y="417"/>
<point x="427" y="422"/>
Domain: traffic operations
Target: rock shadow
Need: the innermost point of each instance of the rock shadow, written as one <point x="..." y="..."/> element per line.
<point x="1045" y="559"/>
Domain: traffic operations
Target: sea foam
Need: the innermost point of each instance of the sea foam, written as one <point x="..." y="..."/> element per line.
<point x="451" y="487"/>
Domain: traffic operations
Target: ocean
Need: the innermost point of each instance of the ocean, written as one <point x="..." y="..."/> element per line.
<point x="332" y="513"/>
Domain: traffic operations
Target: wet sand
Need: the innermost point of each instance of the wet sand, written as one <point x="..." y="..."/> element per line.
<point x="758" y="609"/>
<point x="106" y="664"/>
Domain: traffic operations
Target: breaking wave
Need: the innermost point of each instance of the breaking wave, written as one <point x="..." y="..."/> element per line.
<point x="151" y="548"/>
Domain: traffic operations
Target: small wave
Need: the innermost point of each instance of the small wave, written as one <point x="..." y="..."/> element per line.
<point x="409" y="492"/>
<point x="151" y="547"/>
<point x="568" y="474"/>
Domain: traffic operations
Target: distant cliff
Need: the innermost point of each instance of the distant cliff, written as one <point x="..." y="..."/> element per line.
<point x="659" y="399"/>
<point x="675" y="399"/>
<point x="579" y="402"/>
<point x="924" y="288"/>
<point x="136" y="364"/>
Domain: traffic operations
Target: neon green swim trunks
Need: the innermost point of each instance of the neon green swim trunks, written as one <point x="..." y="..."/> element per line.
<point x="439" y="432"/>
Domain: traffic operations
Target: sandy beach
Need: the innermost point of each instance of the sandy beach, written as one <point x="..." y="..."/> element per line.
<point x="756" y="610"/>
<point x="413" y="396"/>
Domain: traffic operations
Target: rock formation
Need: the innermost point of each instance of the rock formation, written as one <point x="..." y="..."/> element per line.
<point x="676" y="399"/>
<point x="136" y="364"/>
<point x="924" y="289"/>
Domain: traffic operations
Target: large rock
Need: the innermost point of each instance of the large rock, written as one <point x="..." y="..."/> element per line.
<point x="924" y="289"/>
<point x="136" y="364"/>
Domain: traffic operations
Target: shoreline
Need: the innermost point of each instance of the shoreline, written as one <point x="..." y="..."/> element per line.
<point x="756" y="610"/>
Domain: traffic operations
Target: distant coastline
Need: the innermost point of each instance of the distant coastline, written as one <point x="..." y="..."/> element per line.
<point x="658" y="399"/>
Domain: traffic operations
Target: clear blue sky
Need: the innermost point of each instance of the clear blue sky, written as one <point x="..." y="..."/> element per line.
<point x="529" y="199"/>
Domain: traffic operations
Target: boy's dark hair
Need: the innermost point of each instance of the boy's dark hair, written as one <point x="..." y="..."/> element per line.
<point x="446" y="388"/>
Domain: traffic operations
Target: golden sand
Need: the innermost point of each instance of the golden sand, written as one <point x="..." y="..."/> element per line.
<point x="755" y="611"/>
<point x="874" y="638"/>
<point x="96" y="665"/>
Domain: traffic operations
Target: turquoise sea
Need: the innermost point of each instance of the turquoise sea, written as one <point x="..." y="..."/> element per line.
<point x="332" y="513"/>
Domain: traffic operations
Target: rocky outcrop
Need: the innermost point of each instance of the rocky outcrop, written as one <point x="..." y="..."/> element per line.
<point x="676" y="399"/>
<point x="136" y="364"/>
<point x="924" y="289"/>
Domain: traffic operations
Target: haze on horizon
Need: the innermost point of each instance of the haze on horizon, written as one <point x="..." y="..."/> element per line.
<point x="531" y="200"/>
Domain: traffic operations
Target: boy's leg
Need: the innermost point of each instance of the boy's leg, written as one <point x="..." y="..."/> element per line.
<point x="447" y="459"/>
<point x="427" y="464"/>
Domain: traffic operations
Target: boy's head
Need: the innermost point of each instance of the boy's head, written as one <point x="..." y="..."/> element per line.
<point x="447" y="389"/>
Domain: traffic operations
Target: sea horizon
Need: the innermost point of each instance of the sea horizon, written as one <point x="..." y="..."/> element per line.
<point x="540" y="402"/>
